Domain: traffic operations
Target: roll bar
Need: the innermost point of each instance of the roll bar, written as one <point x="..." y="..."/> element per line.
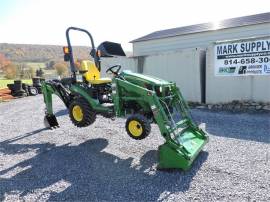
<point x="92" y="53"/>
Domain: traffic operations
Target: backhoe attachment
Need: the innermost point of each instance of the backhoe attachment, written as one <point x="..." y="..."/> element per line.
<point x="48" y="89"/>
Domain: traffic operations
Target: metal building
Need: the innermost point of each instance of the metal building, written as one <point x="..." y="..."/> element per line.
<point x="201" y="35"/>
<point x="203" y="59"/>
<point x="188" y="56"/>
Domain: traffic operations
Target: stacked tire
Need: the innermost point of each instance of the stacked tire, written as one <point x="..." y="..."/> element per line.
<point x="37" y="84"/>
<point x="19" y="89"/>
<point x="30" y="90"/>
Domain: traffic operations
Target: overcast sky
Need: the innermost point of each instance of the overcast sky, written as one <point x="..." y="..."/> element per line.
<point x="45" y="21"/>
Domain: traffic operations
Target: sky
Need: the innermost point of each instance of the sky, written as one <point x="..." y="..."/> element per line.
<point x="45" y="21"/>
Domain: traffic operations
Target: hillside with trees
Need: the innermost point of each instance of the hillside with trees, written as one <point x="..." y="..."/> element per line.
<point x="22" y="61"/>
<point x="39" y="53"/>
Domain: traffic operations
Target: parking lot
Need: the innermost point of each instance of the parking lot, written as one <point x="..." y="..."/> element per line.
<point x="102" y="163"/>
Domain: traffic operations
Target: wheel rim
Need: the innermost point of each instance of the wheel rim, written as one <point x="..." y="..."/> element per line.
<point x="77" y="113"/>
<point x="135" y="128"/>
<point x="33" y="91"/>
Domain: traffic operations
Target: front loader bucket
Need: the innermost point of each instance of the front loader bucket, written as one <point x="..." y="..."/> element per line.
<point x="184" y="139"/>
<point x="110" y="49"/>
<point x="181" y="151"/>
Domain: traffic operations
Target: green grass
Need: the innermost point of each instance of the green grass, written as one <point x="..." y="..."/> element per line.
<point x="36" y="65"/>
<point x="4" y="82"/>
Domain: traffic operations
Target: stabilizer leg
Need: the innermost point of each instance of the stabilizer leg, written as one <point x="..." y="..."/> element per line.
<point x="50" y="120"/>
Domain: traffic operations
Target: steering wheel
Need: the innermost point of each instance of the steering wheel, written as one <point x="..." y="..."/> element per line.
<point x="110" y="69"/>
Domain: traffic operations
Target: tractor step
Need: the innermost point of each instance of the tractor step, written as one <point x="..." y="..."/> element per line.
<point x="108" y="105"/>
<point x="110" y="113"/>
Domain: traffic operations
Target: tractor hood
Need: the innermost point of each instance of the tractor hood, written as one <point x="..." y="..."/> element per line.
<point x="141" y="79"/>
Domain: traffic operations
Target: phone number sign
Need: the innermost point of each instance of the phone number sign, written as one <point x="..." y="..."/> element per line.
<point x="242" y="58"/>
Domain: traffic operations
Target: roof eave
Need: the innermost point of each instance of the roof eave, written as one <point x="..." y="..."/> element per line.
<point x="164" y="37"/>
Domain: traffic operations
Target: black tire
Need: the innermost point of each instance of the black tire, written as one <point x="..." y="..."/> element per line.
<point x="39" y="89"/>
<point x="17" y="85"/>
<point x="32" y="90"/>
<point x="20" y="94"/>
<point x="25" y="88"/>
<point x="36" y="81"/>
<point x="88" y="115"/>
<point x="142" y="124"/>
<point x="10" y="87"/>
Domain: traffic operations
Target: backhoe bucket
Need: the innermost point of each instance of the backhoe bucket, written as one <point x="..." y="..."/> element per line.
<point x="110" y="49"/>
<point x="50" y="121"/>
<point x="183" y="150"/>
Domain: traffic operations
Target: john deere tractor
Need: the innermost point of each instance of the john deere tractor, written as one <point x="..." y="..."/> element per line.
<point x="142" y="100"/>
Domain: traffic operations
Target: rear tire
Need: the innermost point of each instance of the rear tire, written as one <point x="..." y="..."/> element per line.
<point x="138" y="126"/>
<point x="81" y="113"/>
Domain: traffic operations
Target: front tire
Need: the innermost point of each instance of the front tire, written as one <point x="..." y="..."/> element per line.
<point x="81" y="113"/>
<point x="138" y="127"/>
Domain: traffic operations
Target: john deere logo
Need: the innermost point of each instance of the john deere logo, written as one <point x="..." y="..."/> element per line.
<point x="229" y="70"/>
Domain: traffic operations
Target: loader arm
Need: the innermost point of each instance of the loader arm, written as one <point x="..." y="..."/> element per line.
<point x="183" y="139"/>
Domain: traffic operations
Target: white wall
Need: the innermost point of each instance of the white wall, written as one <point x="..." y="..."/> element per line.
<point x="201" y="40"/>
<point x="182" y="67"/>
<point x="126" y="63"/>
<point x="222" y="89"/>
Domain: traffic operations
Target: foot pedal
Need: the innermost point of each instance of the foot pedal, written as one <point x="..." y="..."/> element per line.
<point x="50" y="121"/>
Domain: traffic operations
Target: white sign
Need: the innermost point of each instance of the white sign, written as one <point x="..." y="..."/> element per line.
<point x="242" y="58"/>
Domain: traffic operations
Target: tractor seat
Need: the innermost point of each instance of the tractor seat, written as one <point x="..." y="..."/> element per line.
<point x="92" y="75"/>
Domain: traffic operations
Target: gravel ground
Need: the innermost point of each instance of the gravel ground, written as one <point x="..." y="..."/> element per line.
<point x="101" y="163"/>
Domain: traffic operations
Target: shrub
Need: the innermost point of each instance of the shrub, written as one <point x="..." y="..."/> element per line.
<point x="10" y="71"/>
<point x="61" y="68"/>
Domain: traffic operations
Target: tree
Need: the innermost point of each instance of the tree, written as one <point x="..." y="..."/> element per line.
<point x="39" y="72"/>
<point x="33" y="72"/>
<point x="3" y="61"/>
<point x="10" y="71"/>
<point x="23" y="71"/>
<point x="77" y="63"/>
<point x="50" y="64"/>
<point x="61" y="68"/>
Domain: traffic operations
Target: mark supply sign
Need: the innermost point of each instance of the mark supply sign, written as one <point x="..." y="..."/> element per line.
<point x="243" y="58"/>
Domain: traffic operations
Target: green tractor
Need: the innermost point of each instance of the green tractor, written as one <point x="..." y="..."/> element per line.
<point x="140" y="99"/>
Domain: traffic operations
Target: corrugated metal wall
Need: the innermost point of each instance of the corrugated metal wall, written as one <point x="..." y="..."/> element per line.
<point x="201" y="40"/>
<point x="126" y="63"/>
<point x="182" y="67"/>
